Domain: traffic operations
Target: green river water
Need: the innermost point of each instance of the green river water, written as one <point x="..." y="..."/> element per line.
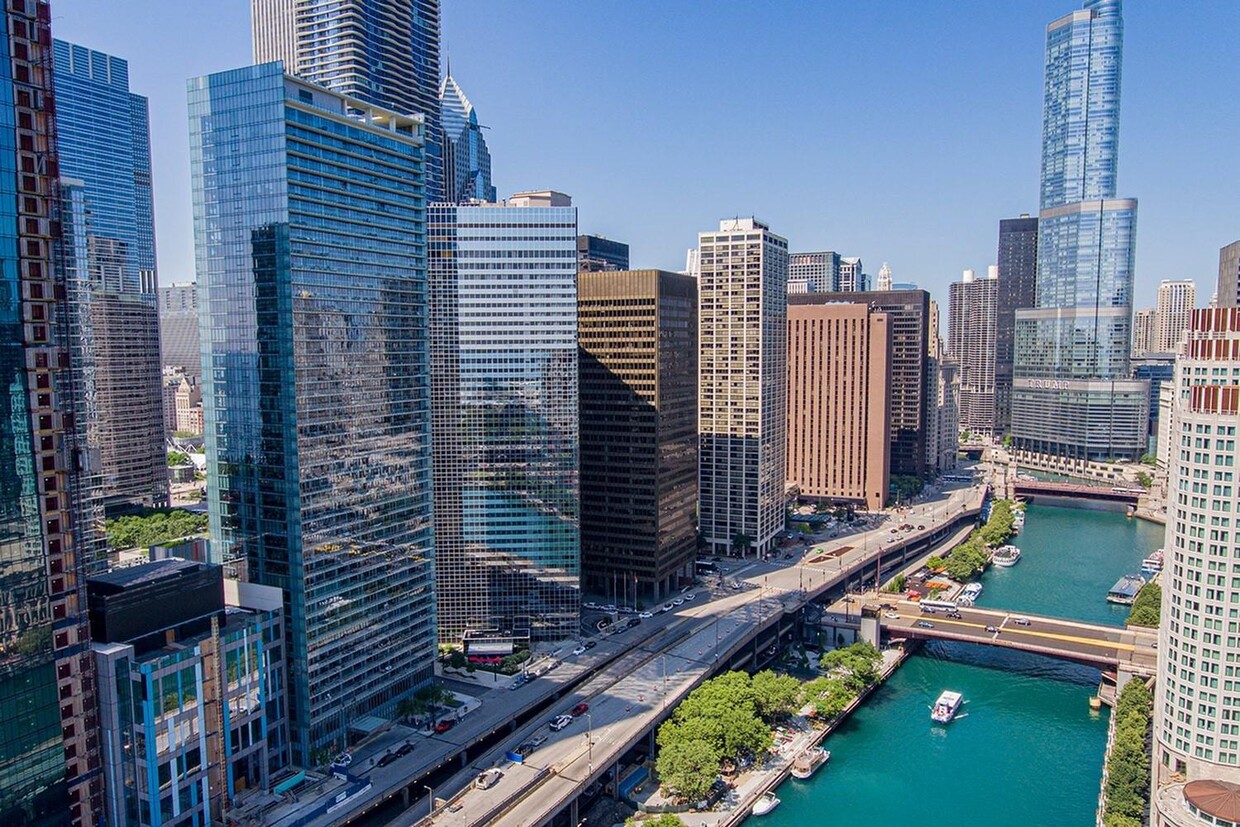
<point x="1027" y="750"/>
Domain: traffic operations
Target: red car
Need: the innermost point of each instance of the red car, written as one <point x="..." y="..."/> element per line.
<point x="580" y="709"/>
<point x="444" y="726"/>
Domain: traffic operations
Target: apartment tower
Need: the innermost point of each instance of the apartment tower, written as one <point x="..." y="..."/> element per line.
<point x="1176" y="300"/>
<point x="971" y="328"/>
<point x="742" y="386"/>
<point x="1018" y="265"/>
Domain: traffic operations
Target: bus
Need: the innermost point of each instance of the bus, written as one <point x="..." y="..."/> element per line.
<point x="938" y="605"/>
<point x="706" y="567"/>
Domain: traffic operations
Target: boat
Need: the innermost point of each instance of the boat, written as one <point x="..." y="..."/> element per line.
<point x="970" y="594"/>
<point x="1006" y="556"/>
<point x="809" y="762"/>
<point x="946" y="707"/>
<point x="1152" y="564"/>
<point x="1125" y="589"/>
<point x="765" y="804"/>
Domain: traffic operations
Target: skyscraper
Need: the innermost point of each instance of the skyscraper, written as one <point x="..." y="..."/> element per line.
<point x="466" y="159"/>
<point x="884" y="277"/>
<point x="49" y="746"/>
<point x="1144" y="332"/>
<point x="178" y="327"/>
<point x="596" y="254"/>
<point x="102" y="136"/>
<point x="1228" y="290"/>
<point x="638" y="366"/>
<point x="742" y="385"/>
<point x="851" y="278"/>
<point x="310" y="243"/>
<point x="839" y="440"/>
<point x="505" y="409"/>
<point x="1073" y="400"/>
<point x="1018" y="265"/>
<point x="971" y="326"/>
<point x="909" y="395"/>
<point x="1194" y="711"/>
<point x="380" y="52"/>
<point x="1176" y="300"/>
<point x="813" y="272"/>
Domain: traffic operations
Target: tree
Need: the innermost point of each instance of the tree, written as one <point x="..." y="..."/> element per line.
<point x="1144" y="479"/>
<point x="176" y="458"/>
<point x="153" y="527"/>
<point x="775" y="695"/>
<point x="664" y="820"/>
<point x="907" y="485"/>
<point x="829" y="696"/>
<point x="688" y="768"/>
<point x="1148" y="459"/>
<point x="856" y="665"/>
<point x="935" y="563"/>
<point x="741" y="543"/>
<point x="897" y="583"/>
<point x="1146" y="607"/>
<point x="1007" y="440"/>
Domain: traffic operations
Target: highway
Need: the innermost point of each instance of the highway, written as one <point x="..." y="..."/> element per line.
<point x="627" y="697"/>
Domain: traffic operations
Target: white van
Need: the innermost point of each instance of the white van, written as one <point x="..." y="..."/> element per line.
<point x="488" y="779"/>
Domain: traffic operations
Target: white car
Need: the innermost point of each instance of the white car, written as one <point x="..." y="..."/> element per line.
<point x="667" y="607"/>
<point x="680" y="601"/>
<point x="580" y="650"/>
<point x="690" y="596"/>
<point x="559" y="722"/>
<point x="891" y="615"/>
<point x="645" y="615"/>
<point x="590" y="605"/>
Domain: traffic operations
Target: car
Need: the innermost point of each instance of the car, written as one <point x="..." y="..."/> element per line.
<point x="636" y="621"/>
<point x="488" y="778"/>
<point x="590" y="605"/>
<point x="1021" y="621"/>
<point x="519" y="681"/>
<point x="921" y="528"/>
<point x="580" y="709"/>
<point x="580" y="650"/>
<point x="924" y="624"/>
<point x="444" y="725"/>
<point x="388" y="757"/>
<point x="645" y="615"/>
<point x="894" y="530"/>
<point x="690" y="596"/>
<point x="992" y="629"/>
<point x="680" y="601"/>
<point x="890" y="606"/>
<point x="404" y="750"/>
<point x="849" y="599"/>
<point x="559" y="722"/>
<point x="590" y="644"/>
<point x="537" y="741"/>
<point x="736" y="587"/>
<point x="525" y="750"/>
<point x="929" y="610"/>
<point x="667" y="607"/>
<point x="610" y="607"/>
<point x="955" y="615"/>
<point x="891" y="615"/>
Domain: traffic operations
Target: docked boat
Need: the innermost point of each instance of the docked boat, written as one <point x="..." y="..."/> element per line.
<point x="1153" y="564"/>
<point x="970" y="594"/>
<point x="1006" y="556"/>
<point x="765" y="804"/>
<point x="946" y="707"/>
<point x="1125" y="589"/>
<point x="809" y="761"/>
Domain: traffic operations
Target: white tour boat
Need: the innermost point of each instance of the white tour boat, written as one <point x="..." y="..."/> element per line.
<point x="1152" y="564"/>
<point x="946" y="707"/>
<point x="809" y="761"/>
<point x="1006" y="556"/>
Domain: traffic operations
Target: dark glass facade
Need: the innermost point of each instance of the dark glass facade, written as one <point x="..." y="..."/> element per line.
<point x="637" y="331"/>
<point x="1018" y="267"/>
<point x="596" y="254"/>
<point x="466" y="160"/>
<point x="504" y="344"/>
<point x="309" y="221"/>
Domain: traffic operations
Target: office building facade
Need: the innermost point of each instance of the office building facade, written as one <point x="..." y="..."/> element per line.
<point x="813" y="272"/>
<point x="637" y="334"/>
<point x="316" y="382"/>
<point x="103" y="141"/>
<point x="505" y="428"/>
<point x="742" y="386"/>
<point x="596" y="254"/>
<point x="851" y="278"/>
<point x="1227" y="292"/>
<point x="1144" y="332"/>
<point x="838" y="423"/>
<point x="971" y="328"/>
<point x="1018" y="266"/>
<point x="1073" y="398"/>
<point x="49" y="746"/>
<point x="466" y="159"/>
<point x="908" y="313"/>
<point x="178" y="327"/>
<point x="1194" y="731"/>
<point x="381" y="52"/>
<point x="1176" y="300"/>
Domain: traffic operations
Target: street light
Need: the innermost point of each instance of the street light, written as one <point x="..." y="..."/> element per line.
<point x="589" y="743"/>
<point x="431" y="799"/>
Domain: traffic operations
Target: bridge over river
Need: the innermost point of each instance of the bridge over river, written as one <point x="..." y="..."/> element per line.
<point x="1032" y="489"/>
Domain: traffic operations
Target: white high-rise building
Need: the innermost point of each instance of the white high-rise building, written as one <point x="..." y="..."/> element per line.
<point x="1196" y="726"/>
<point x="884" y="277"/>
<point x="971" y="318"/>
<point x="742" y="370"/>
<point x="1176" y="300"/>
<point x="1144" y="332"/>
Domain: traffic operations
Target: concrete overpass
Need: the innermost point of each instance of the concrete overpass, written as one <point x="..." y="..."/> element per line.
<point x="1032" y="489"/>
<point x="1131" y="650"/>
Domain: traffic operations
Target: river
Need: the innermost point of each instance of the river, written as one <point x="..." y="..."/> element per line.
<point x="1027" y="750"/>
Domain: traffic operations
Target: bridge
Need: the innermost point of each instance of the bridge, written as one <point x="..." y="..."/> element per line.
<point x="1031" y="489"/>
<point x="1131" y="650"/>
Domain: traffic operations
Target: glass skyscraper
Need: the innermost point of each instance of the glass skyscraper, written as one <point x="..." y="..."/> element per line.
<point x="504" y="343"/>
<point x="103" y="140"/>
<point x="1072" y="395"/>
<point x="467" y="162"/>
<point x="381" y="52"/>
<point x="49" y="746"/>
<point x="310" y="241"/>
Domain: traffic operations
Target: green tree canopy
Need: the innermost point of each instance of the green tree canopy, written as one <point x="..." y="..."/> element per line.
<point x="688" y="768"/>
<point x="176" y="458"/>
<point x="1146" y="607"/>
<point x="828" y="696"/>
<point x="775" y="694"/>
<point x="856" y="666"/>
<point x="153" y="527"/>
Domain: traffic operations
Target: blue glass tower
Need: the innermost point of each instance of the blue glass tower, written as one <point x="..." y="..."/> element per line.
<point x="467" y="162"/>
<point x="310" y="242"/>
<point x="103" y="140"/>
<point x="1072" y="395"/>
<point x="507" y="496"/>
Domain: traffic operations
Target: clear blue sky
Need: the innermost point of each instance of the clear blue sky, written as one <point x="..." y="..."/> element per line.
<point x="898" y="131"/>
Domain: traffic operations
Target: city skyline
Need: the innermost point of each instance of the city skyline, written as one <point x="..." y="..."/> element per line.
<point x="896" y="174"/>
